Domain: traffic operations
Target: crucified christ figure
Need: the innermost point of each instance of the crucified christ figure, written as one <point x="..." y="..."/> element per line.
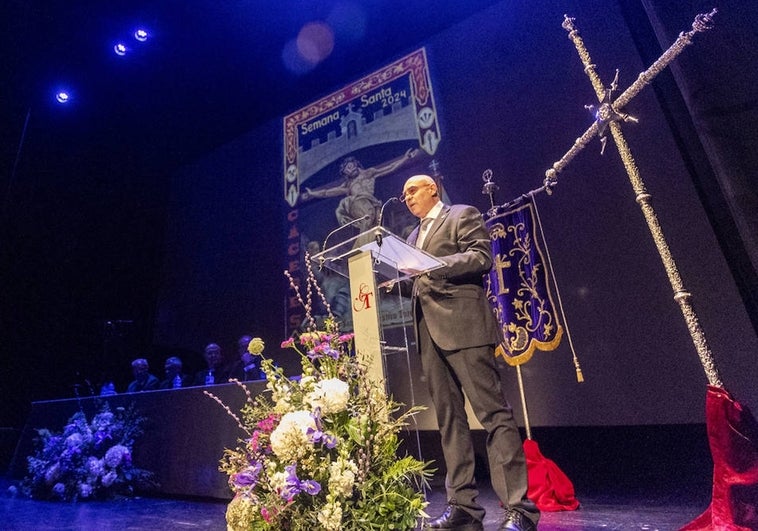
<point x="358" y="188"/>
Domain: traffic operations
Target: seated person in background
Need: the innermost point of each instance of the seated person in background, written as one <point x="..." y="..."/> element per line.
<point x="108" y="388"/>
<point x="247" y="367"/>
<point x="143" y="380"/>
<point x="175" y="378"/>
<point x="107" y="384"/>
<point x="215" y="373"/>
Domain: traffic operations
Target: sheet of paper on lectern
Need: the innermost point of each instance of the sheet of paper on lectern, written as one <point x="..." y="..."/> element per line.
<point x="394" y="259"/>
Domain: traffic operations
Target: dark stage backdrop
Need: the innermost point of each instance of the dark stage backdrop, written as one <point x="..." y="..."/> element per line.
<point x="510" y="95"/>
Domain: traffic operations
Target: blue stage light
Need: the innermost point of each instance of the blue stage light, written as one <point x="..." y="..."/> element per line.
<point x="120" y="49"/>
<point x="62" y="96"/>
<point x="141" y="34"/>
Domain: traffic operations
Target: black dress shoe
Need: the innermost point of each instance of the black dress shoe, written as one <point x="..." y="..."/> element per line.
<point x="516" y="521"/>
<point x="454" y="518"/>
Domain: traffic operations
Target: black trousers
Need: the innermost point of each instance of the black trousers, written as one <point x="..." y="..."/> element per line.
<point x="473" y="370"/>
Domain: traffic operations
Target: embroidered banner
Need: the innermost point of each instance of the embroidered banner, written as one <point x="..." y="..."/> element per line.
<point x="344" y="157"/>
<point x="518" y="286"/>
<point x="393" y="104"/>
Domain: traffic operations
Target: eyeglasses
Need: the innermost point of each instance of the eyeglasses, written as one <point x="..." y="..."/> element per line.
<point x="411" y="191"/>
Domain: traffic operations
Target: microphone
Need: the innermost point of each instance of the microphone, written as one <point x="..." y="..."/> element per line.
<point x="353" y="222"/>
<point x="378" y="232"/>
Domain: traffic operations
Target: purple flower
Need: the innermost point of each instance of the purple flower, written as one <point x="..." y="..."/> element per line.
<point x="330" y="441"/>
<point x="294" y="486"/>
<point x="314" y="435"/>
<point x="290" y="490"/>
<point x="247" y="477"/>
<point x="331" y="351"/>
<point x="318" y="435"/>
<point x="101" y="436"/>
<point x="310" y="486"/>
<point x="291" y="472"/>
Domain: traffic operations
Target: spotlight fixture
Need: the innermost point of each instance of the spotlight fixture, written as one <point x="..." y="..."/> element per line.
<point x="141" y="34"/>
<point x="62" y="96"/>
<point x="120" y="49"/>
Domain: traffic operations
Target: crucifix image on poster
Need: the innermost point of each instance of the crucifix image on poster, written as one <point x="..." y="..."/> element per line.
<point x="358" y="187"/>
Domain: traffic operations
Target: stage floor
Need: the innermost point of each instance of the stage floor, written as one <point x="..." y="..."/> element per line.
<point x="617" y="511"/>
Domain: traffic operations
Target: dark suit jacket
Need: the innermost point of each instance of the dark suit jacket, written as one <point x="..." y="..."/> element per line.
<point x="452" y="298"/>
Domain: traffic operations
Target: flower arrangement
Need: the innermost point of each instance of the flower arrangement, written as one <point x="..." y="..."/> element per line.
<point x="321" y="450"/>
<point x="88" y="459"/>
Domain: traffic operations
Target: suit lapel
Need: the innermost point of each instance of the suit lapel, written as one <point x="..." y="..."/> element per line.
<point x="436" y="224"/>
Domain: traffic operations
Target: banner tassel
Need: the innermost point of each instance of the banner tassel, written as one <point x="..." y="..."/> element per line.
<point x="579" y="375"/>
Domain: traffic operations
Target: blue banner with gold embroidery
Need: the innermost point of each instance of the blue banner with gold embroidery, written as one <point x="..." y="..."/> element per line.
<point x="518" y="286"/>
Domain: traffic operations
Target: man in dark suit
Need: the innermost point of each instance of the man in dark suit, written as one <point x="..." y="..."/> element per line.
<point x="456" y="333"/>
<point x="143" y="380"/>
<point x="247" y="367"/>
<point x="216" y="373"/>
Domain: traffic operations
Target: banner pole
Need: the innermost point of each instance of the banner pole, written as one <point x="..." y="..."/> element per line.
<point x="523" y="402"/>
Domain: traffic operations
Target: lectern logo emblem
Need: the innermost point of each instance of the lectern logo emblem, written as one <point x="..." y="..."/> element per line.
<point x="363" y="300"/>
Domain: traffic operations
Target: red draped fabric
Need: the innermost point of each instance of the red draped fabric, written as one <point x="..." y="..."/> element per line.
<point x="733" y="438"/>
<point x="549" y="488"/>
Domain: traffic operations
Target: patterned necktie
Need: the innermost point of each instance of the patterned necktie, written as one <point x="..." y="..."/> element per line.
<point x="423" y="229"/>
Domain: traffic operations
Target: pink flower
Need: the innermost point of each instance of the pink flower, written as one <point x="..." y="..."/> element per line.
<point x="288" y="343"/>
<point x="269" y="423"/>
<point x="268" y="515"/>
<point x="308" y="337"/>
<point x="253" y="441"/>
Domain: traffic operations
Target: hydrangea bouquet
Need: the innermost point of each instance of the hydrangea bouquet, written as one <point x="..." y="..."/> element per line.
<point x="88" y="459"/>
<point x="321" y="451"/>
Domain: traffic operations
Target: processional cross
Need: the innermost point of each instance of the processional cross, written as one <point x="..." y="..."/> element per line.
<point x="608" y="116"/>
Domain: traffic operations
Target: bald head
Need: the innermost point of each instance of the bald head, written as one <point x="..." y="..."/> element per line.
<point x="418" y="180"/>
<point x="420" y="194"/>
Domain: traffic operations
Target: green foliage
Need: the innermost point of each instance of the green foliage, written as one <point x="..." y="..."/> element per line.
<point x="321" y="450"/>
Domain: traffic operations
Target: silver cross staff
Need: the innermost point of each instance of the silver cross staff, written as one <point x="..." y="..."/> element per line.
<point x="611" y="119"/>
